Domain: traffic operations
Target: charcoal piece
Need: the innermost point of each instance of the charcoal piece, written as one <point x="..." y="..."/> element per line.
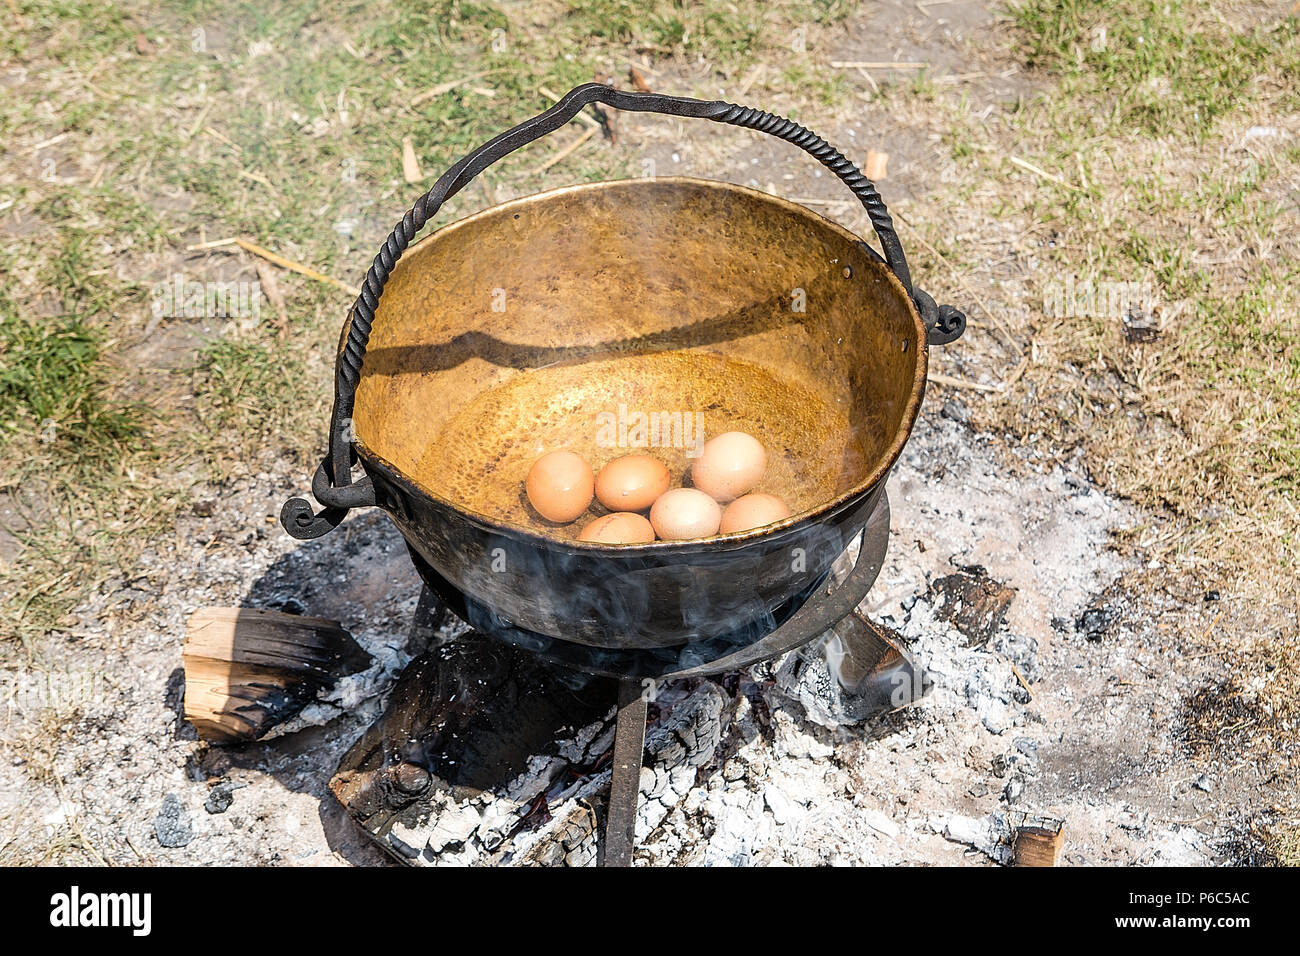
<point x="972" y="602"/>
<point x="468" y="714"/>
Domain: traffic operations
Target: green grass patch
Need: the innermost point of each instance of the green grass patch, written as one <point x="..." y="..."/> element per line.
<point x="251" y="394"/>
<point x="1160" y="66"/>
<point x="51" y="381"/>
<point x="55" y="394"/>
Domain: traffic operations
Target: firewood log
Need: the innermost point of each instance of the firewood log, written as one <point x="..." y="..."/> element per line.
<point x="247" y="670"/>
<point x="1039" y="845"/>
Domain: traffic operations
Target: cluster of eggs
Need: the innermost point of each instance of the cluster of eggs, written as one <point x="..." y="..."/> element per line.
<point x="561" y="485"/>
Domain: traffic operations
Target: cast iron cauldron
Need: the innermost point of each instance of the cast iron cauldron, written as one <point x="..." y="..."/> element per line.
<point x="556" y="320"/>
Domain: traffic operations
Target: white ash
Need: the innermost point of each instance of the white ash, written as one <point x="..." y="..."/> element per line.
<point x="440" y="830"/>
<point x="991" y="835"/>
<point x="810" y="789"/>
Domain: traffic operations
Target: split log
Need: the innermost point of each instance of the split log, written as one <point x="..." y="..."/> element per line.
<point x="1039" y="845"/>
<point x="247" y="670"/>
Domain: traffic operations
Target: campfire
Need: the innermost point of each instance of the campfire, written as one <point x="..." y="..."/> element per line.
<point x="589" y="685"/>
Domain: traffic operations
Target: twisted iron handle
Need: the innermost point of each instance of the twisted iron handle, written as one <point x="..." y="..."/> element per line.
<point x="333" y="485"/>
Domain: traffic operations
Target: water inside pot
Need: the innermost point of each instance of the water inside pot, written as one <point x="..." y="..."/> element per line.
<point x="536" y="325"/>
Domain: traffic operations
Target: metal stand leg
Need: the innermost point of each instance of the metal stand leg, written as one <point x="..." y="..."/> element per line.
<point x="874" y="668"/>
<point x="430" y="612"/>
<point x="625" y="780"/>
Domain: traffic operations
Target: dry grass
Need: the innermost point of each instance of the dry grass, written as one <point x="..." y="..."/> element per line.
<point x="285" y="128"/>
<point x="1171" y="136"/>
<point x="1158" y="145"/>
<point x="1191" y="194"/>
<point x="133" y="133"/>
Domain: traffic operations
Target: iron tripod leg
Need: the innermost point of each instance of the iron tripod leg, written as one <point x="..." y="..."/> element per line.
<point x="430" y="612"/>
<point x="625" y="778"/>
<point x="875" y="671"/>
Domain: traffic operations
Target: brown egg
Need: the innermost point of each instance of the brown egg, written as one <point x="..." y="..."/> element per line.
<point x="685" y="513"/>
<point x="729" y="466"/>
<point x="622" y="527"/>
<point x="752" y="511"/>
<point x="631" y="483"/>
<point x="560" y="485"/>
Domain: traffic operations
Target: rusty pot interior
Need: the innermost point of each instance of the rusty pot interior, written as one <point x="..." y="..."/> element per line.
<point x="556" y="320"/>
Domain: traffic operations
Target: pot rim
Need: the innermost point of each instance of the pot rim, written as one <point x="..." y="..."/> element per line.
<point x="884" y="462"/>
